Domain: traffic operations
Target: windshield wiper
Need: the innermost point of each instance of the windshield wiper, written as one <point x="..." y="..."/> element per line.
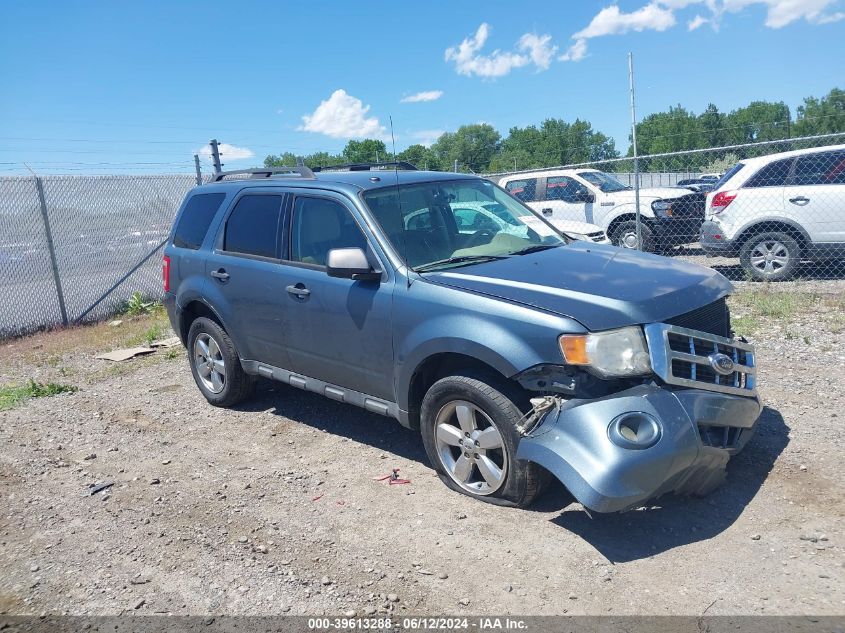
<point x="462" y="259"/>
<point x="536" y="248"/>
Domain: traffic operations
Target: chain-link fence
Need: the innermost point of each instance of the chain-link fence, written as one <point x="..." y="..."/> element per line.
<point x="74" y="248"/>
<point x="766" y="211"/>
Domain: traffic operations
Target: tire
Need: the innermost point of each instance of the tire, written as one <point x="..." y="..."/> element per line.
<point x="482" y="403"/>
<point x="771" y="256"/>
<point x="625" y="235"/>
<point x="226" y="384"/>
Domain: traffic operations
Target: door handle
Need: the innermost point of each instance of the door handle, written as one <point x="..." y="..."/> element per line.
<point x="220" y="275"/>
<point x="800" y="200"/>
<point x="299" y="290"/>
<point x="547" y="211"/>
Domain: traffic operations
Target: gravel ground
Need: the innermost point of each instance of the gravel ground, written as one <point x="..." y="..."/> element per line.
<point x="274" y="508"/>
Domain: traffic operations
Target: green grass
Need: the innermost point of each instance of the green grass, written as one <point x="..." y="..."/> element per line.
<point x="11" y="395"/>
<point x="781" y="305"/>
<point x="745" y="325"/>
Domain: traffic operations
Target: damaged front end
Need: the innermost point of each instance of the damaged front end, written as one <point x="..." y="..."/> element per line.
<point x="671" y="433"/>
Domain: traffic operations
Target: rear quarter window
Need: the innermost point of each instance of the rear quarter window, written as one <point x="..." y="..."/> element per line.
<point x="195" y="219"/>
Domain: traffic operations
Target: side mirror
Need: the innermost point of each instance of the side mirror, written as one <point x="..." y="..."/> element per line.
<point x="583" y="195"/>
<point x="350" y="263"/>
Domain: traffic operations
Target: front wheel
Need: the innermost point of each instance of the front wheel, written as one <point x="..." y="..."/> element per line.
<point x="469" y="433"/>
<point x="624" y="235"/>
<point x="770" y="256"/>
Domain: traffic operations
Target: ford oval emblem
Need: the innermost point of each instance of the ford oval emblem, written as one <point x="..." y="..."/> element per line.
<point x="721" y="363"/>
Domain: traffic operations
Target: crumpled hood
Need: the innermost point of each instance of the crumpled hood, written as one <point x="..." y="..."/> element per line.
<point x="602" y="287"/>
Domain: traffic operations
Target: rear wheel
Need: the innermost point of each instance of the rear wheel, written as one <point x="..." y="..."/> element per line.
<point x="215" y="365"/>
<point x="469" y="431"/>
<point x="624" y="235"/>
<point x="770" y="256"/>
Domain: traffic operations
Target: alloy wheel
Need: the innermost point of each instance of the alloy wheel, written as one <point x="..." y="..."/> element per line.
<point x="470" y="448"/>
<point x="769" y="256"/>
<point x="208" y="360"/>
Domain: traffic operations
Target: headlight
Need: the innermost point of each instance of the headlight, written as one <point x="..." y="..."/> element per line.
<point x="615" y="353"/>
<point x="662" y="208"/>
<point x="577" y="236"/>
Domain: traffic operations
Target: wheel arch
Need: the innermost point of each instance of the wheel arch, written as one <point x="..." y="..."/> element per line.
<point x="441" y="364"/>
<point x="191" y="312"/>
<point x="781" y="225"/>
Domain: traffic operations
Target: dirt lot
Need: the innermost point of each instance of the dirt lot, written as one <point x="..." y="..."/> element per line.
<point x="273" y="508"/>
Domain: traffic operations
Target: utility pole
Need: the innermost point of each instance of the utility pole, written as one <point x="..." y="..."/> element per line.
<point x="215" y="155"/>
<point x="456" y="165"/>
<point x="199" y="171"/>
<point x="636" y="158"/>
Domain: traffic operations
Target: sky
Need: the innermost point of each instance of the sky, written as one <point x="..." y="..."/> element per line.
<point x="140" y="87"/>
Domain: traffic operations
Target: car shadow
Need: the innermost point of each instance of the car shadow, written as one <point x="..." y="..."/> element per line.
<point x="343" y="420"/>
<point x="673" y="521"/>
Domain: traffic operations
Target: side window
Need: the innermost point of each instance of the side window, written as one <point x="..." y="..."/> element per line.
<point x="562" y="188"/>
<point x="823" y="168"/>
<point x="196" y="218"/>
<point x="318" y="226"/>
<point x="253" y="226"/>
<point x="772" y="175"/>
<point x="525" y="190"/>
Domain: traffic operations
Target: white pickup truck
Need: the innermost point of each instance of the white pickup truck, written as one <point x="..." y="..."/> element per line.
<point x="669" y="216"/>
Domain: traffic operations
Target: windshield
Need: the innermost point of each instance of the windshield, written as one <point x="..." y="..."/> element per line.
<point x="445" y="224"/>
<point x="603" y="181"/>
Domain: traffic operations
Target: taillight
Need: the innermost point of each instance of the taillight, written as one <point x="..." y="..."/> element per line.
<point x="721" y="201"/>
<point x="165" y="272"/>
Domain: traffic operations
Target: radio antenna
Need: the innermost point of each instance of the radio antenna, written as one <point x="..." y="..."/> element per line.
<point x="399" y="206"/>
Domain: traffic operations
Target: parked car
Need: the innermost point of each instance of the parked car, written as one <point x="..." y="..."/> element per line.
<point x="669" y="216"/>
<point x="514" y="355"/>
<point x="774" y="211"/>
<point x="697" y="184"/>
<point x="473" y="216"/>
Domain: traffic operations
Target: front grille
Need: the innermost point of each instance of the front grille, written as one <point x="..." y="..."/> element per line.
<point x="720" y="436"/>
<point x="689" y="206"/>
<point x="686" y="357"/>
<point x="714" y="318"/>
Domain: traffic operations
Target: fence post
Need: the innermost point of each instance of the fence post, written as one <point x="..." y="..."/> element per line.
<point x="636" y="158"/>
<point x="199" y="171"/>
<point x="42" y="200"/>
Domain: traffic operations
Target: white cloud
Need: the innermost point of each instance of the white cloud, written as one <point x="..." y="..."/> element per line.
<point x="612" y="21"/>
<point x="779" y="13"/>
<point x="425" y="95"/>
<point x="576" y="52"/>
<point x="539" y="49"/>
<point x="697" y="22"/>
<point x="469" y="62"/>
<point x="227" y="152"/>
<point x="530" y="49"/>
<point x="342" y="116"/>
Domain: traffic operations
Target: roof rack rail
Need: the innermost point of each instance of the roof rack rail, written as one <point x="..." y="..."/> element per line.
<point x="267" y="172"/>
<point x="396" y="164"/>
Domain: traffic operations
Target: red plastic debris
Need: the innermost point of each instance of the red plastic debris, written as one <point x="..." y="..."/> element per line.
<point x="393" y="478"/>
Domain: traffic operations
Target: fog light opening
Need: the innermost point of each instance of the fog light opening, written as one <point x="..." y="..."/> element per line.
<point x="634" y="430"/>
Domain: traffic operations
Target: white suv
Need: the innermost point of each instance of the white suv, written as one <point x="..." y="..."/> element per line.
<point x="774" y="211"/>
<point x="669" y="215"/>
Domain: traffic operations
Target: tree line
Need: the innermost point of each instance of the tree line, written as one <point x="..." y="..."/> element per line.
<point x="479" y="147"/>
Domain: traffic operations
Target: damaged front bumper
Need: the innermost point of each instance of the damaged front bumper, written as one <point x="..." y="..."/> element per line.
<point x="616" y="452"/>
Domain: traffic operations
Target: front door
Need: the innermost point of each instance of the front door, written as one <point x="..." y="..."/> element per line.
<point x="815" y="195"/>
<point x="565" y="200"/>
<point x="339" y="329"/>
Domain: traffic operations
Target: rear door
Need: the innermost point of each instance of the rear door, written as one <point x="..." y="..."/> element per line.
<point x="816" y="192"/>
<point x="244" y="282"/>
